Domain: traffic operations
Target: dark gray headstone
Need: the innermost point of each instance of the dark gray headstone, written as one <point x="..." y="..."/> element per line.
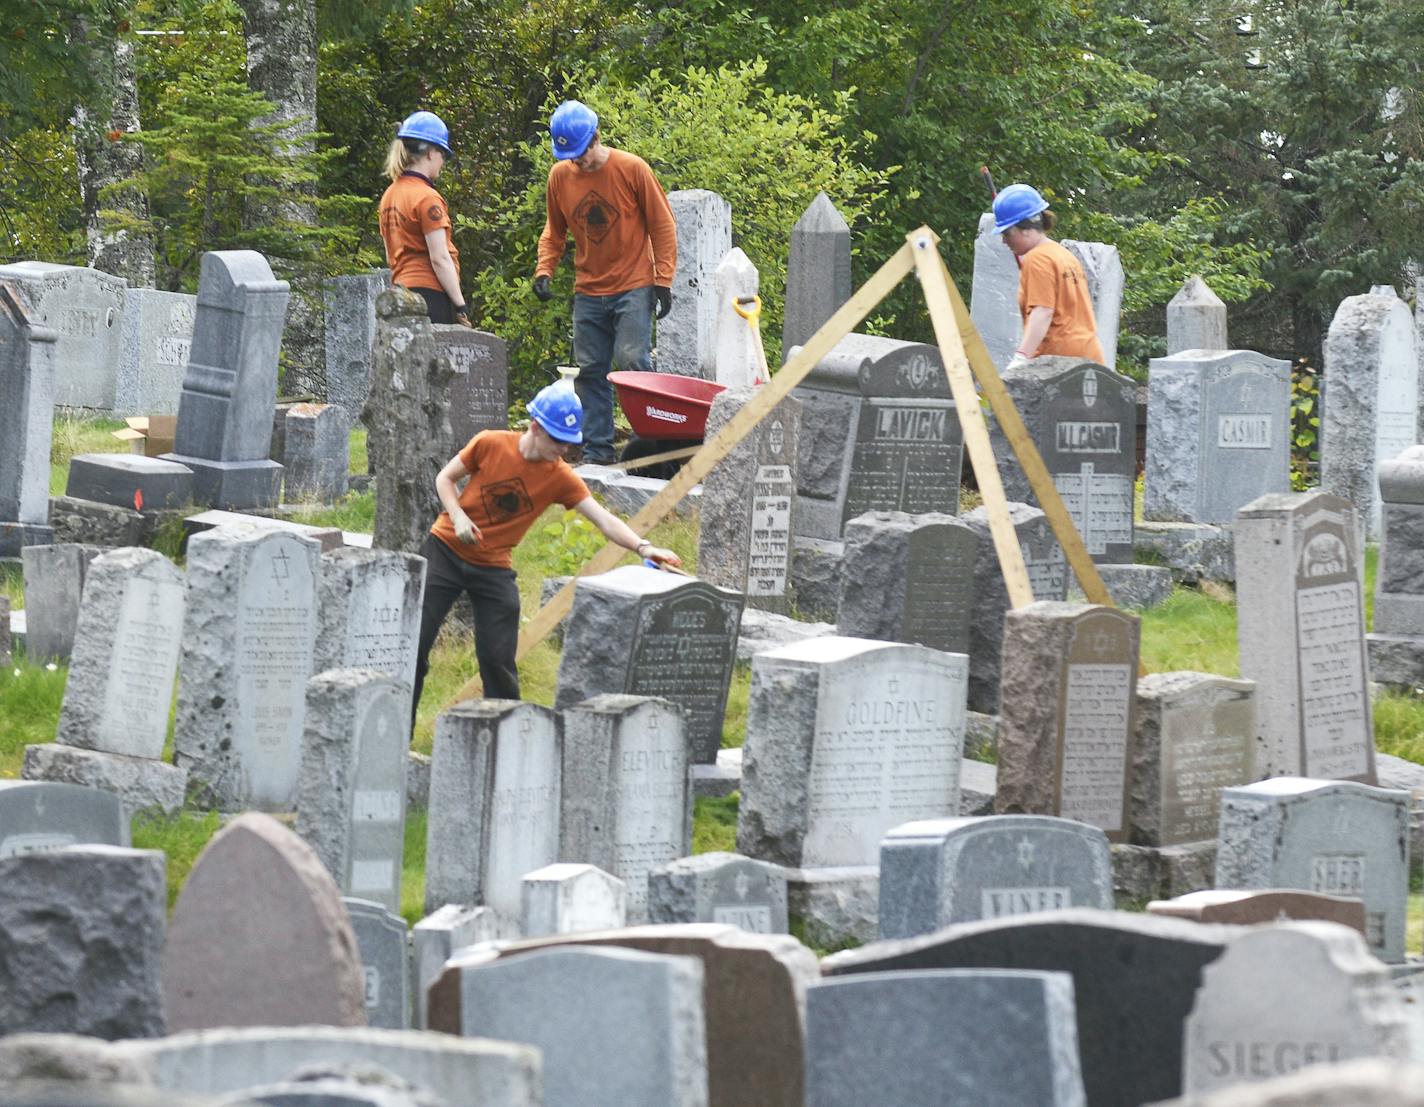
<point x="85" y="309"/>
<point x="130" y="480"/>
<point x="315" y="453"/>
<point x="27" y="367"/>
<point x="41" y="815"/>
<point x="818" y="279"/>
<point x="350" y="333"/>
<point x="370" y="611"/>
<point x="719" y="888"/>
<point x="1396" y="648"/>
<point x="385" y="961"/>
<point x="54" y="583"/>
<point x="479" y="391"/>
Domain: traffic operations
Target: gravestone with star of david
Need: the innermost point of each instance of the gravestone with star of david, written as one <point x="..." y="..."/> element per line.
<point x="719" y="888"/>
<point x="370" y="611"/>
<point x="479" y="391"/>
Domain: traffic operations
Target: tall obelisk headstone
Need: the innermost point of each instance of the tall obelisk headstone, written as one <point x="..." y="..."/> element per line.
<point x="1196" y="319"/>
<point x="818" y="278"/>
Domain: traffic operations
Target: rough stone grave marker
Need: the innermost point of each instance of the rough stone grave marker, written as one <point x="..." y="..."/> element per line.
<point x="154" y="344"/>
<point x="704" y="235"/>
<point x="54" y="583"/>
<point x="936" y="872"/>
<point x="994" y="294"/>
<point x="130" y="629"/>
<point x="37" y="815"/>
<point x="350" y="319"/>
<point x="1246" y="908"/>
<point x="1298" y="582"/>
<point x="1196" y="319"/>
<point x="1102" y="265"/>
<point x="370" y="611"/>
<point x="648" y="633"/>
<point x="1336" y="837"/>
<point x="1218" y="434"/>
<point x="435" y="938"/>
<point x="1396" y="648"/>
<point x="479" y="390"/>
<point x="315" y="453"/>
<point x="847" y="738"/>
<point x="85" y="310"/>
<point x="383" y="941"/>
<point x="567" y="898"/>
<point x="818" y="277"/>
<point x="27" y="367"/>
<point x="248" y="636"/>
<point x="719" y="888"/>
<point x="1066" y="727"/>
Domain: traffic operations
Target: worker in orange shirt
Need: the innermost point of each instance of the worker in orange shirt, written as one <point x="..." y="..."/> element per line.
<point x="1053" y="289"/>
<point x="625" y="253"/>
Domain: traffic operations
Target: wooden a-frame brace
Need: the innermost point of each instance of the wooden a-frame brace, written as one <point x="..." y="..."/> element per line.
<point x="966" y="360"/>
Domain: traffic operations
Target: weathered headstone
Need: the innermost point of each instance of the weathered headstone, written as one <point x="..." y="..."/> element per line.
<point x="1301" y="631"/>
<point x="494" y="804"/>
<point x="479" y="390"/>
<point x="129" y="481"/>
<point x="351" y="788"/>
<point x="818" y="279"/>
<point x="1134" y="980"/>
<point x="85" y="310"/>
<point x="81" y="937"/>
<point x="719" y="888"/>
<point x="994" y="293"/>
<point x="1396" y="648"/>
<point x="748" y="504"/>
<point x="1218" y="434"/>
<point x="350" y="333"/>
<point x="1247" y="908"/>
<point x="1373" y="1082"/>
<point x="937" y="872"/>
<point x="435" y="938"/>
<point x="154" y="344"/>
<point x="1287" y="996"/>
<point x="41" y="815"/>
<point x="735" y="360"/>
<point x="704" y="235"/>
<point x="138" y="783"/>
<point x="1336" y="837"/>
<point x="315" y="453"/>
<point x="649" y="633"/>
<point x="1194" y="736"/>
<point x="1102" y="265"/>
<point x="28" y="350"/>
<point x="225" y="413"/>
<point x="383" y="941"/>
<point x="248" y="637"/>
<point x="1372" y="381"/>
<point x="566" y="898"/>
<point x="304" y="971"/>
<point x="909" y="578"/>
<point x="370" y="611"/>
<point x="1066" y="722"/>
<point x="54" y="583"/>
<point x="1196" y="319"/>
<point x="847" y="738"/>
<point x="626" y="799"/>
<point x="994" y="1038"/>
<point x="120" y="686"/>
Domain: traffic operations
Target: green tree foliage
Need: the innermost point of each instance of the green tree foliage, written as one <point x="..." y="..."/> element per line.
<point x="40" y="211"/>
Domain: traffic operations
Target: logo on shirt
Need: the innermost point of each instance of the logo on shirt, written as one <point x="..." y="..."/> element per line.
<point x="596" y="217"/>
<point x="506" y="499"/>
<point x="435" y="214"/>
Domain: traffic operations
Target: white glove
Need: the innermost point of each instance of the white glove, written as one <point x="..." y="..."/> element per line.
<point x="465" y="529"/>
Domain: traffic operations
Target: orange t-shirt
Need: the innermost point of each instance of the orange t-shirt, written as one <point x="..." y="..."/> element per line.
<point x="1051" y="277"/>
<point x="411" y="209"/>
<point x="624" y="232"/>
<point x="505" y="495"/>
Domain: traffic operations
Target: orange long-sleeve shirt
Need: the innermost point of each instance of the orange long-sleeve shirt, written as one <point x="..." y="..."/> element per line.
<point x="624" y="233"/>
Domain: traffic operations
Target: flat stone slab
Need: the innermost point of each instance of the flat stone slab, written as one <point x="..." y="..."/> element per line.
<point x="721" y="779"/>
<point x="331" y="538"/>
<point x="766" y="630"/>
<point x="141" y="783"/>
<point x="627" y="493"/>
<point x="1131" y="586"/>
<point x="1192" y="551"/>
<point x="130" y="480"/>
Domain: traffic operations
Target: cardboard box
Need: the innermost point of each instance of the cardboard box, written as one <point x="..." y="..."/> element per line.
<point x="149" y="435"/>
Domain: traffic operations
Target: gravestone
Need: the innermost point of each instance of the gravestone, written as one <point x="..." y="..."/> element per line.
<point x="1246" y="908"/>
<point x="81" y="937"/>
<point x="1083" y="418"/>
<point x="748" y="501"/>
<point x="879" y="432"/>
<point x="383" y="942"/>
<point x="566" y="898"/>
<point x="54" y="583"/>
<point x="1067" y="718"/>
<point x="626" y="798"/>
<point x="644" y="632"/>
<point x="1047" y="575"/>
<point x="1288" y="996"/>
<point x="1196" y="319"/>
<point x="994" y="1038"/>
<point x="27" y="368"/>
<point x="1102" y="265"/>
<point x="248" y="637"/>
<point x="1336" y="837"/>
<point x="479" y="390"/>
<point x="1298" y="582"/>
<point x="38" y="815"/>
<point x="350" y="319"/>
<point x="138" y="783"/>
<point x="704" y="235"/>
<point x="908" y="578"/>
<point x="85" y="310"/>
<point x="818" y="279"/>
<point x="154" y="343"/>
<point x="1134" y="980"/>
<point x="1194" y="736"/>
<point x="369" y="611"/>
<point x="407" y="416"/>
<point x="1218" y="434"/>
<point x="847" y="738"/>
<point x="435" y="938"/>
<point x="719" y="888"/>
<point x="315" y="453"/>
<point x="129" y="481"/>
<point x="735" y="359"/>
<point x="120" y="686"/>
<point x="306" y="971"/>
<point x="1396" y="648"/>
<point x="494" y="804"/>
<point x="994" y="294"/>
<point x="937" y="872"/>
<point x="351" y="788"/>
<point x="1372" y="380"/>
<point x="224" y="428"/>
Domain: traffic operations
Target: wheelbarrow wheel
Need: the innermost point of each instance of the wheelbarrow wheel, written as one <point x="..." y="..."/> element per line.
<point x="647" y="447"/>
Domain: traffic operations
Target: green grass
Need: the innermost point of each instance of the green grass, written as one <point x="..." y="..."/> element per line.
<point x="356" y="453"/>
<point x="355" y="511"/>
<point x="30" y="698"/>
<point x="181" y="836"/>
<point x="76" y="434"/>
<point x="714" y="824"/>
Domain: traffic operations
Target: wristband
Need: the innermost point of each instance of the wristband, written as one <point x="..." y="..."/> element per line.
<point x="638" y="549"/>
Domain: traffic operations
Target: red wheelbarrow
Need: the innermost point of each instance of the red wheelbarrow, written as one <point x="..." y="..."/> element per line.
<point x="667" y="412"/>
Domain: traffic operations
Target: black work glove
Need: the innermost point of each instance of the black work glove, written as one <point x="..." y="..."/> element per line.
<point x="542" y="289"/>
<point x="664" y="300"/>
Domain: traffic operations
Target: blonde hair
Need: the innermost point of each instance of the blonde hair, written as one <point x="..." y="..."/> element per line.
<point x="403" y="153"/>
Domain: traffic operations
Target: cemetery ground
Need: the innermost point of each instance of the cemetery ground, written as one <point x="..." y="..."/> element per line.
<point x="1195" y="629"/>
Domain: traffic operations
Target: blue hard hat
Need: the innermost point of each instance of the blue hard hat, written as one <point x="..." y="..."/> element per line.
<point x="557" y="409"/>
<point x="571" y="129"/>
<point x="1015" y="204"/>
<point x="427" y="127"/>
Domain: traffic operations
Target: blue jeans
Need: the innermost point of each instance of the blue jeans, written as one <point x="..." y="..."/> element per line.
<point x="608" y="331"/>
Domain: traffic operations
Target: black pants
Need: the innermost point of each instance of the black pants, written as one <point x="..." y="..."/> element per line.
<point x="494" y="597"/>
<point x="437" y="304"/>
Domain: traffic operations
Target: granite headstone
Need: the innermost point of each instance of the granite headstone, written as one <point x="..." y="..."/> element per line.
<point x="818" y="277"/>
<point x="85" y="310"/>
<point x="315" y="453"/>
<point x="369" y="613"/>
<point x="1196" y="319"/>
<point x="435" y="938"/>
<point x="719" y="888"/>
<point x="154" y="344"/>
<point x="28" y="350"/>
<point x="1247" y="908"/>
<point x="54" y="583"/>
<point x="479" y="390"/>
<point x="350" y="333"/>
<point x="383" y="942"/>
<point x="37" y="815"/>
<point x="567" y="898"/>
<point x="704" y="235"/>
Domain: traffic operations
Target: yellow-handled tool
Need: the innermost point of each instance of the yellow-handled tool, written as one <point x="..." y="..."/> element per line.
<point x="752" y="315"/>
